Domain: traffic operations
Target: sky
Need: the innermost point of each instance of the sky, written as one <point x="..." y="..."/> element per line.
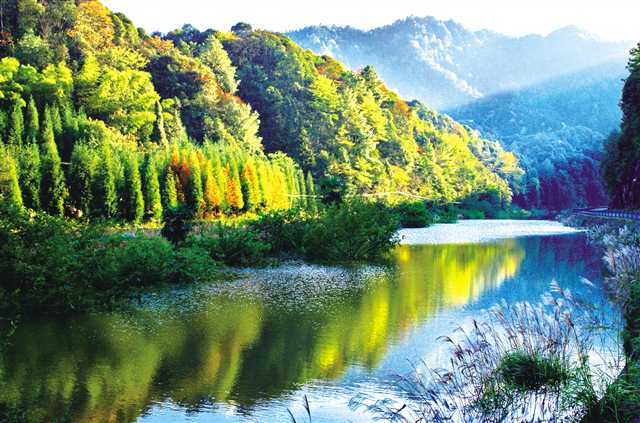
<point x="608" y="19"/>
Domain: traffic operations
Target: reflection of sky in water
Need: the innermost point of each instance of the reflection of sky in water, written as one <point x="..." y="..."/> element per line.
<point x="325" y="332"/>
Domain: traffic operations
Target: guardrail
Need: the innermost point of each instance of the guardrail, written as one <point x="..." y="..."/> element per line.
<point x="611" y="214"/>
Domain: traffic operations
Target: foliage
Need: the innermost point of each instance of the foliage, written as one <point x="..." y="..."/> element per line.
<point x="621" y="166"/>
<point x="414" y="215"/>
<point x="233" y="246"/>
<point x="177" y="224"/>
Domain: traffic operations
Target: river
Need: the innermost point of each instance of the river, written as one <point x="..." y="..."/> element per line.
<point x="248" y="349"/>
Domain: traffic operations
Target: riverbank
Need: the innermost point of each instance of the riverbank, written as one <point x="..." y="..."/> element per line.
<point x="621" y="402"/>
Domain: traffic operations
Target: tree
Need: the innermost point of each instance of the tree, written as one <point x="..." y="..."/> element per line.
<point x="250" y="186"/>
<point x="104" y="194"/>
<point x="159" y="135"/>
<point x="16" y="129"/>
<point x="233" y="190"/>
<point x="152" y="197"/>
<point x="53" y="189"/>
<point x="9" y="186"/>
<point x="33" y="122"/>
<point x="133" y="200"/>
<point x="312" y="202"/>
<point x="29" y="159"/>
<point x="170" y="194"/>
<point x="195" y="195"/>
<point x="212" y="194"/>
<point x="84" y="163"/>
<point x="216" y="58"/>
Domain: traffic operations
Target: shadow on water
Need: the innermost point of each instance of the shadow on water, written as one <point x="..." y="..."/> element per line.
<point x="245" y="351"/>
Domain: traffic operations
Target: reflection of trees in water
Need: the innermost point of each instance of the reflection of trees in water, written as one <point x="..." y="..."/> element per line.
<point x="111" y="368"/>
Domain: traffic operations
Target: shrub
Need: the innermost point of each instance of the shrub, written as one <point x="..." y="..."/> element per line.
<point x="531" y="372"/>
<point x="414" y="215"/>
<point x="353" y="231"/>
<point x="284" y="231"/>
<point x="177" y="224"/>
<point x="233" y="246"/>
<point x="193" y="264"/>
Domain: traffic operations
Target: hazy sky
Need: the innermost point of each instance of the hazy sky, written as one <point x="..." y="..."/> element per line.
<point x="610" y="19"/>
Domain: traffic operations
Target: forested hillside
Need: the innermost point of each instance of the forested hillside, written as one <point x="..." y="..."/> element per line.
<point x="621" y="165"/>
<point x="557" y="129"/>
<point x="100" y="119"/>
<point x="550" y="100"/>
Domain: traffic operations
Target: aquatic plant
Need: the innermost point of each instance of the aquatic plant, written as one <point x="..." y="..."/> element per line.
<point x="522" y="362"/>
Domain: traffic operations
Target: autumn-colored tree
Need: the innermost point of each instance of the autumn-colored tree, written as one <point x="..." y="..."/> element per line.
<point x="212" y="193"/>
<point x="250" y="186"/>
<point x="233" y="190"/>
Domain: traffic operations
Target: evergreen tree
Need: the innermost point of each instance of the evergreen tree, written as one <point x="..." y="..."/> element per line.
<point x="195" y="194"/>
<point x="9" y="185"/>
<point x="53" y="190"/>
<point x="302" y="188"/>
<point x="81" y="177"/>
<point x="152" y="197"/>
<point x="32" y="122"/>
<point x="233" y="190"/>
<point x="133" y="200"/>
<point x="30" y="175"/>
<point x="312" y="201"/>
<point x="159" y="135"/>
<point x="170" y="196"/>
<point x="56" y="120"/>
<point x="105" y="197"/>
<point x="212" y="194"/>
<point x="250" y="187"/>
<point x="16" y="128"/>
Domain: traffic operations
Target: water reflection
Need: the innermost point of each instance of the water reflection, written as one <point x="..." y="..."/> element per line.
<point x="243" y="351"/>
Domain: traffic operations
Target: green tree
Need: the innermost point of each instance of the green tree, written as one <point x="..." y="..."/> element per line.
<point x="105" y="197"/>
<point x="9" y="185"/>
<point x="30" y="177"/>
<point x="159" y="135"/>
<point x="195" y="193"/>
<point x="33" y="122"/>
<point x="133" y="199"/>
<point x="312" y="201"/>
<point x="250" y="186"/>
<point x="53" y="189"/>
<point x="216" y="58"/>
<point x="84" y="164"/>
<point x="152" y="197"/>
<point x="16" y="129"/>
<point x="170" y="193"/>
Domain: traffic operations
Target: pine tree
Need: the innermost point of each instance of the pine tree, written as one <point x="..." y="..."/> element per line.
<point x="195" y="195"/>
<point x="9" y="185"/>
<point x="81" y="176"/>
<point x="312" y="201"/>
<point x="152" y="197"/>
<point x="219" y="178"/>
<point x="56" y="120"/>
<point x="302" y="188"/>
<point x="16" y="128"/>
<point x="250" y="187"/>
<point x="30" y="176"/>
<point x="53" y="190"/>
<point x="212" y="194"/>
<point x="32" y="122"/>
<point x="233" y="191"/>
<point x="170" y="196"/>
<point x="159" y="134"/>
<point x="105" y="197"/>
<point x="133" y="200"/>
<point x="264" y="180"/>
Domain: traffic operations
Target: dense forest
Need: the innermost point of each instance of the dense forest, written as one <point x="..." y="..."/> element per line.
<point x="621" y="166"/>
<point x="99" y="118"/>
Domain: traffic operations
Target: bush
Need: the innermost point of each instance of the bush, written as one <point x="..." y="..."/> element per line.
<point x="352" y="231"/>
<point x="530" y="372"/>
<point x="233" y="246"/>
<point x="177" y="224"/>
<point x="414" y="215"/>
<point x="284" y="231"/>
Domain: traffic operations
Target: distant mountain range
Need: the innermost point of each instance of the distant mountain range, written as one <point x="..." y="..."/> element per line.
<point x="446" y="65"/>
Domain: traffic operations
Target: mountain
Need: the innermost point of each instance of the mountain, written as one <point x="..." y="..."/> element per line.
<point x="445" y="65"/>
<point x="557" y="128"/>
<point x="100" y="119"/>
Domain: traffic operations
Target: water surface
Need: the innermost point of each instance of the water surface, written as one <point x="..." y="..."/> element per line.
<point x="249" y="349"/>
